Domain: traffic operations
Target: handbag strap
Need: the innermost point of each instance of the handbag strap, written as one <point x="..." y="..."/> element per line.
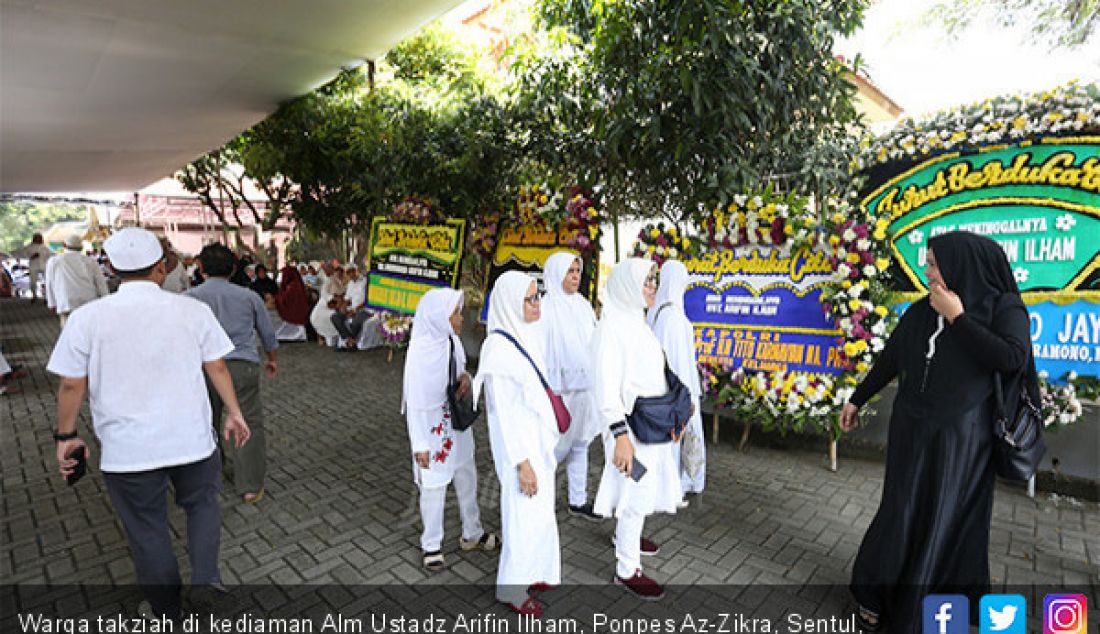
<point x="660" y="308"/>
<point x="509" y="337"/>
<point x="451" y="370"/>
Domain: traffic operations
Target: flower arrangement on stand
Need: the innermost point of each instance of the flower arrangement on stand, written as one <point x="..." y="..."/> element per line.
<point x="721" y="385"/>
<point x="582" y="222"/>
<point x="395" y="329"/>
<point x="1069" y="109"/>
<point x="658" y="243"/>
<point x="859" y="300"/>
<point x="483" y="236"/>
<point x="1061" y="403"/>
<point x="767" y="218"/>
<point x="538" y="204"/>
<point x="416" y="211"/>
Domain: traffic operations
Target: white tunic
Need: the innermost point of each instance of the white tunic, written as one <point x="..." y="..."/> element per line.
<point x="38" y="264"/>
<point x="627" y="364"/>
<point x="177" y="280"/>
<point x="72" y="280"/>
<point x="677" y="336"/>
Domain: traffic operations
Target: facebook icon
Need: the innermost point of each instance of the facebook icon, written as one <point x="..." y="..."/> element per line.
<point x="946" y="614"/>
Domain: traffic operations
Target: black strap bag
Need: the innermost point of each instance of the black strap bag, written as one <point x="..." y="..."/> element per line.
<point x="1018" y="432"/>
<point x="655" y="417"/>
<point x="462" y="409"/>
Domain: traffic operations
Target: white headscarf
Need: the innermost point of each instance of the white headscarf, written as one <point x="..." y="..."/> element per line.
<point x="672" y="327"/>
<point x="426" y="363"/>
<point x="499" y="357"/>
<point x="568" y="320"/>
<point x="623" y="338"/>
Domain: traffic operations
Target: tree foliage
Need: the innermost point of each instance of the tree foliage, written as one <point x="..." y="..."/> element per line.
<point x="681" y="104"/>
<point x="1060" y="23"/>
<point x="21" y="220"/>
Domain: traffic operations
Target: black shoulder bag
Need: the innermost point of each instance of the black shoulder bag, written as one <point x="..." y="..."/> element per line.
<point x="462" y="409"/>
<point x="1018" y="433"/>
<point x="654" y="417"/>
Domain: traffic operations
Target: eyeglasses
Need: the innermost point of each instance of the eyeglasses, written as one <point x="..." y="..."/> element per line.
<point x="651" y="279"/>
<point x="533" y="300"/>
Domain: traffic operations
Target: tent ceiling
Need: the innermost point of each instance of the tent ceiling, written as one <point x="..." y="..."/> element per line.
<point x="114" y="94"/>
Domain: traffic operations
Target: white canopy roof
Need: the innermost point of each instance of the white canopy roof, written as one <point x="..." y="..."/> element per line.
<point x="114" y="94"/>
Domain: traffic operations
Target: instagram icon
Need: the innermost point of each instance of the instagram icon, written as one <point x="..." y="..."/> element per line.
<point x="1065" y="614"/>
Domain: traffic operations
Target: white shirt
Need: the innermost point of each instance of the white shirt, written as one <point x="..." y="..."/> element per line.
<point x="72" y="280"/>
<point x="142" y="350"/>
<point x="177" y="281"/>
<point x="356" y="292"/>
<point x="38" y="263"/>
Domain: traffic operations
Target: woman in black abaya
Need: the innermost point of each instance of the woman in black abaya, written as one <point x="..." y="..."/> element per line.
<point x="931" y="532"/>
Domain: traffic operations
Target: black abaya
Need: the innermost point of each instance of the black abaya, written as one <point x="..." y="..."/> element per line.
<point x="931" y="531"/>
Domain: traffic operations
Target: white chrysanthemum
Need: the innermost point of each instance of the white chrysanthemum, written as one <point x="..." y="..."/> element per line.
<point x="870" y="270"/>
<point x="843" y="271"/>
<point x="855" y="291"/>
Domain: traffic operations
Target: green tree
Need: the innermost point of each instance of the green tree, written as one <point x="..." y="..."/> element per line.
<point x="1060" y="23"/>
<point x="677" y="105"/>
<point x="21" y="220"/>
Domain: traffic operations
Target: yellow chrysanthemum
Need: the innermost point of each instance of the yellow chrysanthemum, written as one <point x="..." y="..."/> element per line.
<point x="879" y="234"/>
<point x="592" y="213"/>
<point x="882" y="263"/>
<point x="593" y="231"/>
<point x="846" y="284"/>
<point x="861" y="367"/>
<point x="881" y="311"/>
<point x="838" y="217"/>
<point x="853" y="304"/>
<point x="672" y="231"/>
<point x="788" y="229"/>
<point x="834" y="240"/>
<point x="853" y="258"/>
<point x="850" y="349"/>
<point x="653" y="233"/>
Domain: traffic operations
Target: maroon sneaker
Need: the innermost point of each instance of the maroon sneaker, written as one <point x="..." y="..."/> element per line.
<point x="642" y="586"/>
<point x="649" y="547"/>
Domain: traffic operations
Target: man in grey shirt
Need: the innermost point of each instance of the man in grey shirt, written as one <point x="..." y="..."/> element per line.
<point x="241" y="314"/>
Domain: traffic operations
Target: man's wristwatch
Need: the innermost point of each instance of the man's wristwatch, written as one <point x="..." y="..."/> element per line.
<point x="69" y="436"/>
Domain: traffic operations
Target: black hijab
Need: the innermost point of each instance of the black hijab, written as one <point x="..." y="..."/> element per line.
<point x="977" y="269"/>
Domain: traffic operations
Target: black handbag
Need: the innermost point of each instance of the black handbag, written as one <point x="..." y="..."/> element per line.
<point x="654" y="417"/>
<point x="1018" y="434"/>
<point x="462" y="409"/>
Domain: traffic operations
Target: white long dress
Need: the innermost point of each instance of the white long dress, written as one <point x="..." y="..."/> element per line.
<point x="321" y="318"/>
<point x="677" y="336"/>
<point x="522" y="427"/>
<point x="628" y="363"/>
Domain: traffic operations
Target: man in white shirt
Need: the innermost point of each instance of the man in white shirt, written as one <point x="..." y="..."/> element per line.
<point x="36" y="253"/>
<point x="72" y="279"/>
<point x="140" y="355"/>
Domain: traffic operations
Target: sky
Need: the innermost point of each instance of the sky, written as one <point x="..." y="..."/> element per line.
<point x="923" y="72"/>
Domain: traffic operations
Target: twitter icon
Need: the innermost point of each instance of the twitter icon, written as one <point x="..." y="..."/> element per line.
<point x="1003" y="614"/>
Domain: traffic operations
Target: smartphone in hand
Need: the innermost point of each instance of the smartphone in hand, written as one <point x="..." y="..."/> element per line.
<point x="637" y="470"/>
<point x="80" y="455"/>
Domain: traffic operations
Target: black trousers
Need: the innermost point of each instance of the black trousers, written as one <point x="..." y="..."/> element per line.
<point x="140" y="499"/>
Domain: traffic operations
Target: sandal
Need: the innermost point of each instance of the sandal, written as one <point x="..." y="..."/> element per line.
<point x="868" y="620"/>
<point x="434" y="560"/>
<point x="487" y="542"/>
<point x="530" y="607"/>
<point x="254" y="498"/>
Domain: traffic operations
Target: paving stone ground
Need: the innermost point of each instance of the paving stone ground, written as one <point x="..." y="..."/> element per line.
<point x="341" y="505"/>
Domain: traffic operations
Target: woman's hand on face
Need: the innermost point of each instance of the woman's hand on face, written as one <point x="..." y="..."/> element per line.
<point x="623" y="457"/>
<point x="945" y="302"/>
<point x="849" y="417"/>
<point x="463" y="386"/>
<point x="528" y="481"/>
<point x="421" y="459"/>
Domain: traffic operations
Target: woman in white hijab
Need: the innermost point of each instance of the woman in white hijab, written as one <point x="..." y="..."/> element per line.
<point x="568" y="320"/>
<point x="677" y="337"/>
<point x="440" y="454"/>
<point x="321" y="316"/>
<point x="628" y="363"/>
<point x="523" y="432"/>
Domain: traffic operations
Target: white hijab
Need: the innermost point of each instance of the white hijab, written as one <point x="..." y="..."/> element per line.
<point x="426" y="364"/>
<point x="622" y="336"/>
<point x="499" y="357"/>
<point x="568" y="320"/>
<point x="672" y="327"/>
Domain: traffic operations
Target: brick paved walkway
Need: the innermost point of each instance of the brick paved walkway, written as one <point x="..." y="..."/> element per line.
<point x="341" y="505"/>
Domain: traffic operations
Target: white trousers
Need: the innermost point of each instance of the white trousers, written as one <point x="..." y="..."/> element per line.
<point x="628" y="542"/>
<point x="576" y="469"/>
<point x="433" y="502"/>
